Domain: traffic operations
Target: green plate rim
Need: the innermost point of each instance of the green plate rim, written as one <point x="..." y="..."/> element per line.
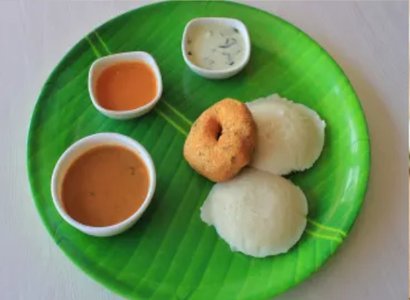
<point x="101" y="278"/>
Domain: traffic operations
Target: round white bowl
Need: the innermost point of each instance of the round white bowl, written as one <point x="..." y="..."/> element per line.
<point x="102" y="63"/>
<point x="79" y="148"/>
<point x="216" y="74"/>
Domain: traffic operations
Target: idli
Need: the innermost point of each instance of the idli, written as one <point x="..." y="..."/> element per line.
<point x="257" y="213"/>
<point x="290" y="136"/>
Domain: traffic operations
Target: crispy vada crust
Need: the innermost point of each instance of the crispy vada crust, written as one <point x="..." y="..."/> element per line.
<point x="221" y="141"/>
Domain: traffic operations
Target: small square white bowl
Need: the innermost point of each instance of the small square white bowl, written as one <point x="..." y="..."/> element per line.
<point x="104" y="62"/>
<point x="216" y="74"/>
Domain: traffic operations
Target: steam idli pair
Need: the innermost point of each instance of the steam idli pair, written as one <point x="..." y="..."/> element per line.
<point x="256" y="211"/>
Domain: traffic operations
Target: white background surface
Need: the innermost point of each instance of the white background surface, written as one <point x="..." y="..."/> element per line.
<point x="368" y="39"/>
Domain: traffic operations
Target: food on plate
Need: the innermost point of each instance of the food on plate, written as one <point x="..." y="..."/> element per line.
<point x="215" y="45"/>
<point x="257" y="213"/>
<point x="221" y="141"/>
<point x="290" y="136"/>
<point x="105" y="186"/>
<point x="126" y="85"/>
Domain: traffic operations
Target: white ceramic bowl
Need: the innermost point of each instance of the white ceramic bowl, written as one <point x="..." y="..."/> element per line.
<point x="216" y="74"/>
<point x="102" y="63"/>
<point x="79" y="148"/>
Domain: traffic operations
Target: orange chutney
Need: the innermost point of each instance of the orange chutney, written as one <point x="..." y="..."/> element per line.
<point x="105" y="186"/>
<point x="126" y="85"/>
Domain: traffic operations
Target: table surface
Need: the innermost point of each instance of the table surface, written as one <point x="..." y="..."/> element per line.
<point x="368" y="39"/>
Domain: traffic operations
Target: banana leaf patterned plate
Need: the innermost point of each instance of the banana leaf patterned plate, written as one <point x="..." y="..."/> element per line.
<point x="170" y="253"/>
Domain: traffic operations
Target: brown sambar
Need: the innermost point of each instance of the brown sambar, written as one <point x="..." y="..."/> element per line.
<point x="105" y="186"/>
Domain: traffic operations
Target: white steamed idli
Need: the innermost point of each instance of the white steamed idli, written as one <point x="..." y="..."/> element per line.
<point x="290" y="136"/>
<point x="257" y="213"/>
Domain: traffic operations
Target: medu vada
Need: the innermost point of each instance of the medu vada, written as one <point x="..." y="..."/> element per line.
<point x="221" y="141"/>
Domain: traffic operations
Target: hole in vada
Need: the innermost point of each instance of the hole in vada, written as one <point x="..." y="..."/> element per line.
<point x="218" y="132"/>
<point x="214" y="129"/>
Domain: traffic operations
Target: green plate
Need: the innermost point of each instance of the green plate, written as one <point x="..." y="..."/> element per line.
<point x="170" y="253"/>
